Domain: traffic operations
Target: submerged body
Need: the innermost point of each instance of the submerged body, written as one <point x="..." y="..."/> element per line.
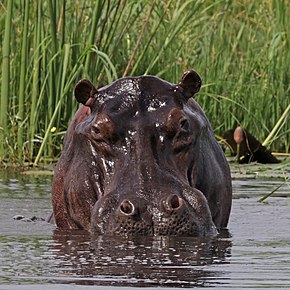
<point x="140" y="157"/>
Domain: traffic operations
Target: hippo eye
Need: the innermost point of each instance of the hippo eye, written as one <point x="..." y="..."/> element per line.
<point x="96" y="129"/>
<point x="115" y="109"/>
<point x="177" y="124"/>
<point x="103" y="128"/>
<point x="184" y="124"/>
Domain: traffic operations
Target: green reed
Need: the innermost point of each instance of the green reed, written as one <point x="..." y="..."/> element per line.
<point x="5" y="92"/>
<point x="240" y="49"/>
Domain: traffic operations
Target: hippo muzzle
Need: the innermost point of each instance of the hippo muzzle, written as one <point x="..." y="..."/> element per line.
<point x="140" y="158"/>
<point x="173" y="215"/>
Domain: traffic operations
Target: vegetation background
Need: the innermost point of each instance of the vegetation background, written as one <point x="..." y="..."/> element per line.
<point x="240" y="48"/>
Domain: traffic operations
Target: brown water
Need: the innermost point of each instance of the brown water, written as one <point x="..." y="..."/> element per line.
<point x="254" y="253"/>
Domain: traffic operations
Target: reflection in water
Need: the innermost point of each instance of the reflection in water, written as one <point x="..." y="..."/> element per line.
<point x="255" y="255"/>
<point x="146" y="261"/>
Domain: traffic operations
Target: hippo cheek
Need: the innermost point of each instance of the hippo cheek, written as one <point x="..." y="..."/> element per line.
<point x="126" y="217"/>
<point x="199" y="209"/>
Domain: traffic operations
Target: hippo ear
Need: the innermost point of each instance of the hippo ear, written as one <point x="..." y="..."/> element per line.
<point x="85" y="92"/>
<point x="190" y="83"/>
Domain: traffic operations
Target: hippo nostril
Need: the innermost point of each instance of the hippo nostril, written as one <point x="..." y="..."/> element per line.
<point x="173" y="202"/>
<point x="127" y="207"/>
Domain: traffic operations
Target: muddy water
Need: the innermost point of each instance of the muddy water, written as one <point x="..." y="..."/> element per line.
<point x="254" y="253"/>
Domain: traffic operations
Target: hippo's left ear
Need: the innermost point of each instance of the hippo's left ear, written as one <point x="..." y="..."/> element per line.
<point x="190" y="83"/>
<point x="85" y="92"/>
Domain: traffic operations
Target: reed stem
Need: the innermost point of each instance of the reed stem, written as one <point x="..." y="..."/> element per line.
<point x="5" y="92"/>
<point x="22" y="83"/>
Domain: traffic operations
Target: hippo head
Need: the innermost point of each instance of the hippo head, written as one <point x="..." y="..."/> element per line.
<point x="140" y="157"/>
<point x="141" y="139"/>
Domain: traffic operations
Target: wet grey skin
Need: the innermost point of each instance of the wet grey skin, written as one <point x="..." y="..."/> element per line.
<point x="140" y="158"/>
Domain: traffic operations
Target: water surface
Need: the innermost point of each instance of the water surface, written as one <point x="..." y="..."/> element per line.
<point x="254" y="253"/>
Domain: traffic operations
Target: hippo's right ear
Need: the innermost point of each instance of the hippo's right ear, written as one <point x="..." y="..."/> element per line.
<point x="85" y="92"/>
<point x="190" y="83"/>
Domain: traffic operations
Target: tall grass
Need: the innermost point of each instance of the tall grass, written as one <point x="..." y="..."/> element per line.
<point x="22" y="79"/>
<point x="240" y="49"/>
<point x="5" y="78"/>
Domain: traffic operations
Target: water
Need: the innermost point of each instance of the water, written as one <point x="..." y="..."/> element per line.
<point x="254" y="253"/>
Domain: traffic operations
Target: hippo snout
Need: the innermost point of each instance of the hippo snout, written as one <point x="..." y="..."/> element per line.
<point x="170" y="215"/>
<point x="126" y="217"/>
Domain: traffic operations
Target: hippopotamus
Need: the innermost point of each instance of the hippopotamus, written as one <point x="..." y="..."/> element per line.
<point x="140" y="158"/>
<point x="246" y="147"/>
